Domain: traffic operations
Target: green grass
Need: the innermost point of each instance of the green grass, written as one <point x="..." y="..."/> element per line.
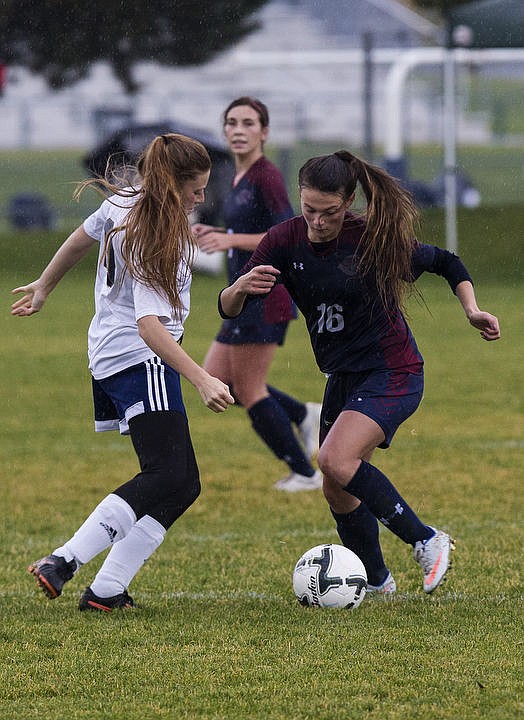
<point x="52" y="173"/>
<point x="497" y="172"/>
<point x="220" y="635"/>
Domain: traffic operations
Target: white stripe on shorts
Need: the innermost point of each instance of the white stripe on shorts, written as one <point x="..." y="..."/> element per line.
<point x="156" y="384"/>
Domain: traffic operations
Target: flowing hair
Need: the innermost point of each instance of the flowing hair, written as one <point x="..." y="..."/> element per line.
<point x="391" y="220"/>
<point x="157" y="236"/>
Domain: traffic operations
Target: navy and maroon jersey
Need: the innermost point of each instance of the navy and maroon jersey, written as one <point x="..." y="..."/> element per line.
<point x="349" y="328"/>
<point x="255" y="204"/>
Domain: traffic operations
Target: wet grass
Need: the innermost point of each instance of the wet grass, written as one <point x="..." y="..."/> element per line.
<point x="219" y="634"/>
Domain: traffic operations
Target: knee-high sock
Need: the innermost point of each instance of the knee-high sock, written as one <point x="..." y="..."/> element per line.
<point x="127" y="557"/>
<point x="109" y="522"/>
<point x="295" y="409"/>
<point x="372" y="487"/>
<point x="358" y="531"/>
<point x="273" y="425"/>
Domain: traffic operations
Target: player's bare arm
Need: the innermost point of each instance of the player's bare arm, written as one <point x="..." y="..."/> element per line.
<point x="485" y="322"/>
<point x="67" y="256"/>
<point x="260" y="280"/>
<point x="211" y="240"/>
<point x="214" y="393"/>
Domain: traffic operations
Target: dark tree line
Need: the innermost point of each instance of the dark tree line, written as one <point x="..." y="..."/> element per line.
<point x="60" y="39"/>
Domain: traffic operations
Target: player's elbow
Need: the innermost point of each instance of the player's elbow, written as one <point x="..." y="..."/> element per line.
<point x="148" y="327"/>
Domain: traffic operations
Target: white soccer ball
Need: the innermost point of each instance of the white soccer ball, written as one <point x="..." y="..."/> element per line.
<point x="330" y="576"/>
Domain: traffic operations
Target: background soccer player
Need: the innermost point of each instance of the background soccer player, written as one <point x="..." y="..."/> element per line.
<point x="244" y="348"/>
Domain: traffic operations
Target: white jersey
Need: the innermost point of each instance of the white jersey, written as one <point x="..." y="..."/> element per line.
<point x="113" y="340"/>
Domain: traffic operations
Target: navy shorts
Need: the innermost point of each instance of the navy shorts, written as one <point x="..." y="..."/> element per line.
<point x="234" y="333"/>
<point x="387" y="397"/>
<point x="147" y="387"/>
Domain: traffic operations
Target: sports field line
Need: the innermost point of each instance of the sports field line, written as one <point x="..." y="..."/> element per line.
<point x="142" y="597"/>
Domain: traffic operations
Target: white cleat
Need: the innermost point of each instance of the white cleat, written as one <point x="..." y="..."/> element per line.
<point x="309" y="428"/>
<point x="388" y="587"/>
<point x="298" y="483"/>
<point x="433" y="556"/>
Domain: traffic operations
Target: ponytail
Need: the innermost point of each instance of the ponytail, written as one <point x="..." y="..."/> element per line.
<point x="387" y="243"/>
<point x="157" y="233"/>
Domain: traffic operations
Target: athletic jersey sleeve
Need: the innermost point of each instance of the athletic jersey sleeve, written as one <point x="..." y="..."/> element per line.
<point x="112" y="212"/>
<point x="268" y="252"/>
<point x="94" y="225"/>
<point x="429" y="258"/>
<point x="274" y="194"/>
<point x="150" y="302"/>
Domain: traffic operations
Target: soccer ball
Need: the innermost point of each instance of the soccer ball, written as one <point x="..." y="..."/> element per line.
<point x="330" y="576"/>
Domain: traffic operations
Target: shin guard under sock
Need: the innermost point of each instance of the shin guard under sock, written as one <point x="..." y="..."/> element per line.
<point x="109" y="522"/>
<point x="358" y="531"/>
<point x="272" y="424"/>
<point x="295" y="409"/>
<point x="127" y="557"/>
<point x="373" y="488"/>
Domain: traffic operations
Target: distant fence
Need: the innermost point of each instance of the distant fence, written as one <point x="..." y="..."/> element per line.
<point x="313" y="98"/>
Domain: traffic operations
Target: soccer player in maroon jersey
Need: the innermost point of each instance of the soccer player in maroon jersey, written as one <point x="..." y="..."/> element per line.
<point x="244" y="348"/>
<point x="349" y="276"/>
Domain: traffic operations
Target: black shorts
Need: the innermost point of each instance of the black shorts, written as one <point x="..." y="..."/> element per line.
<point x="388" y="397"/>
<point x="234" y="333"/>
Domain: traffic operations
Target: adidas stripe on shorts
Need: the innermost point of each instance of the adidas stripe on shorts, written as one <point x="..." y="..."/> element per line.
<point x="150" y="386"/>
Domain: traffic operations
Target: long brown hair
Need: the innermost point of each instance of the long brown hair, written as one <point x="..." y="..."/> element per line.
<point x="392" y="218"/>
<point x="157" y="233"/>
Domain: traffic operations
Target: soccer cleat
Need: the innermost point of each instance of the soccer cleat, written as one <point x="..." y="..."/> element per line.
<point x="309" y="428"/>
<point x="298" y="483"/>
<point x="388" y="587"/>
<point x="433" y="556"/>
<point x="90" y="601"/>
<point x="52" y="572"/>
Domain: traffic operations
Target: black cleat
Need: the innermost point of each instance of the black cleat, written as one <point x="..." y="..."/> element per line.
<point x="90" y="601"/>
<point x="51" y="573"/>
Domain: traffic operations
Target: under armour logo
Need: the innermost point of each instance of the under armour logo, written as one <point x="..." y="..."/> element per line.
<point x="298" y="266"/>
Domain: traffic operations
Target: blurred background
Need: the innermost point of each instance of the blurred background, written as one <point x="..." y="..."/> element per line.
<point x="432" y="90"/>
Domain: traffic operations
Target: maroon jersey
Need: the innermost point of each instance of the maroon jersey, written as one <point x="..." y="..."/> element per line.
<point x="349" y="328"/>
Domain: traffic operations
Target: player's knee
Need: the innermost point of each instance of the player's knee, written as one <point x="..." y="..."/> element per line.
<point x="340" y="470"/>
<point x="193" y="490"/>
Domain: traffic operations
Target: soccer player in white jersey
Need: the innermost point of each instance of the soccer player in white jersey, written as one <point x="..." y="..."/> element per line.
<point x="136" y="360"/>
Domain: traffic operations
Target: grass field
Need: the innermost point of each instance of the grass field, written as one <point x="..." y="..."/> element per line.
<point x="497" y="172"/>
<point x="220" y="635"/>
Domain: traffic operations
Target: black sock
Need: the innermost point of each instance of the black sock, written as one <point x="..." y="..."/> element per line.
<point x="273" y="425"/>
<point x="295" y="409"/>
<point x="372" y="487"/>
<point x="358" y="531"/>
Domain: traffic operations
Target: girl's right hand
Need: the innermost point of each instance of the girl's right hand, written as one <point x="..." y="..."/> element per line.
<point x="200" y="229"/>
<point x="32" y="301"/>
<point x="215" y="394"/>
<point x="260" y="280"/>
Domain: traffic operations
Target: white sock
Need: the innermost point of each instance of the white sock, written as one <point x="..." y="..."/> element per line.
<point x="109" y="522"/>
<point x="127" y="557"/>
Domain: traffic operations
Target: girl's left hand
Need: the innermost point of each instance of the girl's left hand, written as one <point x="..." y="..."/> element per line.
<point x="487" y="324"/>
<point x="213" y="241"/>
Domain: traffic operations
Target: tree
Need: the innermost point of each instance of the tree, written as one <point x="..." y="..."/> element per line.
<point x="60" y="39"/>
<point x="490" y="23"/>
